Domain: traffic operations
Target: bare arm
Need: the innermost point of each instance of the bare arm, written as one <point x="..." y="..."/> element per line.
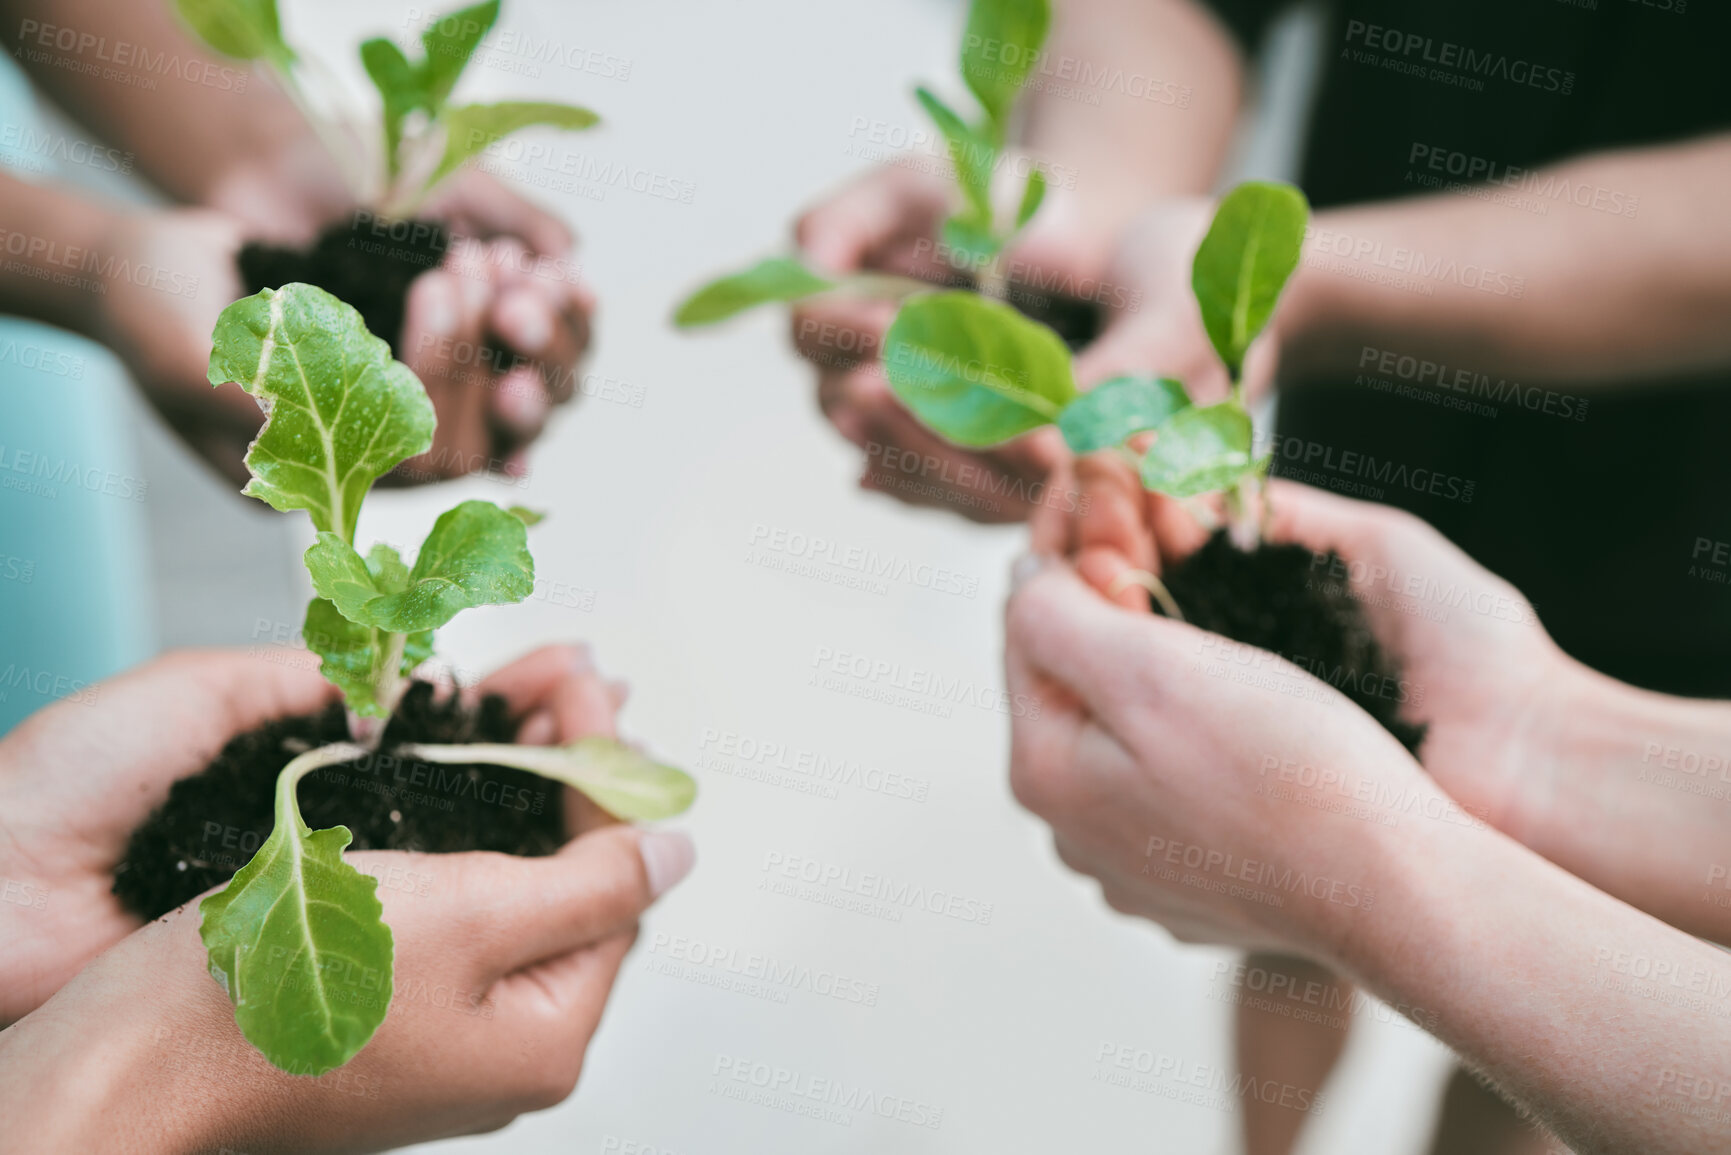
<point x="1627" y="273"/>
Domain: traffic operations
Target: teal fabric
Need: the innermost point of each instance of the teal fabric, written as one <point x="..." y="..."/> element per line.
<point x="75" y="599"/>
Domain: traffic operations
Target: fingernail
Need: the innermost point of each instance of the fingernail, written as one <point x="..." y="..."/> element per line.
<point x="441" y="308"/>
<point x="668" y="856"/>
<point x="1027" y="568"/>
<point x="531" y="328"/>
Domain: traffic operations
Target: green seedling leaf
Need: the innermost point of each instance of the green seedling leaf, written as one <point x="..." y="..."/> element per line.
<point x="398" y="86"/>
<point x="1032" y="196"/>
<point x="1114" y="411"/>
<point x="624" y="782"/>
<point x="471" y="127"/>
<point x="973" y="156"/>
<point x="529" y="517"/>
<point x="477" y="555"/>
<point x="1199" y="450"/>
<point x="357" y="659"/>
<point x="775" y="279"/>
<point x="1250" y="250"/>
<point x="243" y="29"/>
<point x="972" y="241"/>
<point x="974" y="370"/>
<point x="298" y="940"/>
<point x="339" y="411"/>
<point x="1000" y="45"/>
<point x="449" y="42"/>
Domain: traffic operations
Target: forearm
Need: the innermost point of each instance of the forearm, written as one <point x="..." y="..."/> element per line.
<point x="1627" y="273"/>
<point x="1604" y="1022"/>
<point x="50" y="241"/>
<point x="1138" y="98"/>
<point x="1637" y="790"/>
<point x="204" y="129"/>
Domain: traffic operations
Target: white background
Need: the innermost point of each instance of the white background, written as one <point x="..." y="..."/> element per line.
<point x="757" y="103"/>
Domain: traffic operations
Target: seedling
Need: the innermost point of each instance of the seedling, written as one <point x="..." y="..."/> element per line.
<point x="296" y="937"/>
<point x="979" y="373"/>
<point x="1000" y="45"/>
<point x="423" y="138"/>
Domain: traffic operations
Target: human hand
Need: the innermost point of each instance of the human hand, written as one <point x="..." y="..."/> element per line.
<point x="78" y="777"/>
<point x="501" y="972"/>
<point x="1153" y="775"/>
<point x="890" y="221"/>
<point x="1495" y="693"/>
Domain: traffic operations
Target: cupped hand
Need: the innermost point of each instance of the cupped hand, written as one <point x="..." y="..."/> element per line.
<point x="1155" y="773"/>
<point x="502" y="968"/>
<point x="1494" y="690"/>
<point x="79" y="776"/>
<point x="890" y="221"/>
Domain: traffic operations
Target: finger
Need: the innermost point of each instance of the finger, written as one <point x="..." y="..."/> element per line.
<point x="487" y="208"/>
<point x="1323" y="521"/>
<point x="843" y="232"/>
<point x="1177" y="533"/>
<point x="1113" y="539"/>
<point x="445" y="335"/>
<point x="530" y="684"/>
<point x="1051" y="527"/>
<point x="839" y="331"/>
<point x="565" y="994"/>
<point x="595" y="886"/>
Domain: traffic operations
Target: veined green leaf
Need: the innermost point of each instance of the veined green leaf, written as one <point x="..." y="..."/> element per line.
<point x="1032" y="196"/>
<point x="355" y="658"/>
<point x="449" y="42"/>
<point x="1199" y="450"/>
<point x="477" y="555"/>
<point x="339" y="411"/>
<point x="243" y="29"/>
<point x="1250" y="250"/>
<point x="471" y="127"/>
<point x="1114" y="411"/>
<point x="529" y="517"/>
<point x="972" y="241"/>
<point x="399" y="88"/>
<point x="625" y="783"/>
<point x="1002" y="41"/>
<point x="973" y="156"/>
<point x="775" y="279"/>
<point x="974" y="370"/>
<point x="298" y="940"/>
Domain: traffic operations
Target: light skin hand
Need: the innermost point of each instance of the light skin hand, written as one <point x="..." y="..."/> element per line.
<point x="61" y="833"/>
<point x="1139" y="760"/>
<point x="502" y="969"/>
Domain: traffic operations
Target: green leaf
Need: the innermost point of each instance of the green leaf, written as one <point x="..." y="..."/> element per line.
<point x="975" y="243"/>
<point x="449" y="42"/>
<point x="339" y="411"/>
<point x="243" y="29"/>
<point x="1032" y="196"/>
<point x="622" y="781"/>
<point x="1000" y="45"/>
<point x="354" y="657"/>
<point x="1199" y="450"/>
<point x="775" y="279"/>
<point x="477" y="555"/>
<point x="471" y="127"/>
<point x="973" y="156"/>
<point x="298" y="940"/>
<point x="974" y="370"/>
<point x="529" y="517"/>
<point x="1250" y="250"/>
<point x="1114" y="411"/>
<point x="398" y="86"/>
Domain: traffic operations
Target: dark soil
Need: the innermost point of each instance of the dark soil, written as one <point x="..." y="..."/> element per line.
<point x="213" y="822"/>
<point x="366" y="262"/>
<point x="1279" y="598"/>
<point x="1076" y="320"/>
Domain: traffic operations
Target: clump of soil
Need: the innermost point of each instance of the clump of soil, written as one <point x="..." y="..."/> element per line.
<point x="368" y="263"/>
<point x="1075" y="320"/>
<point x="212" y="823"/>
<point x="1278" y="598"/>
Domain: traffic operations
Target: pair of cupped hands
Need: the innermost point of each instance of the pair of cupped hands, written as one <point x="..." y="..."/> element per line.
<point x="1132" y="739"/>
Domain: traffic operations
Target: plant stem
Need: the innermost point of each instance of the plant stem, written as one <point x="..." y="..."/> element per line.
<point x="1156" y="587"/>
<point x="331" y="130"/>
<point x="547" y="761"/>
<point x="299" y="767"/>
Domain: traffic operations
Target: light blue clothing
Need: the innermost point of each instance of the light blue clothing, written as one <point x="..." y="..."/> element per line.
<point x="75" y="598"/>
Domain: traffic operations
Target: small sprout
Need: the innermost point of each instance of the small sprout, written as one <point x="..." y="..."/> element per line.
<point x="774" y="279"/>
<point x="297" y="937"/>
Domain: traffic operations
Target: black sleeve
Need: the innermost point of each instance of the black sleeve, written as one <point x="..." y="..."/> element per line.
<point x="1247" y="19"/>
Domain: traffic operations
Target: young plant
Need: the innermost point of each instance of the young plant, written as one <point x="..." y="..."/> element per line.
<point x="296" y="919"/>
<point x="979" y="373"/>
<point x="425" y="138"/>
<point x="1000" y="45"/>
